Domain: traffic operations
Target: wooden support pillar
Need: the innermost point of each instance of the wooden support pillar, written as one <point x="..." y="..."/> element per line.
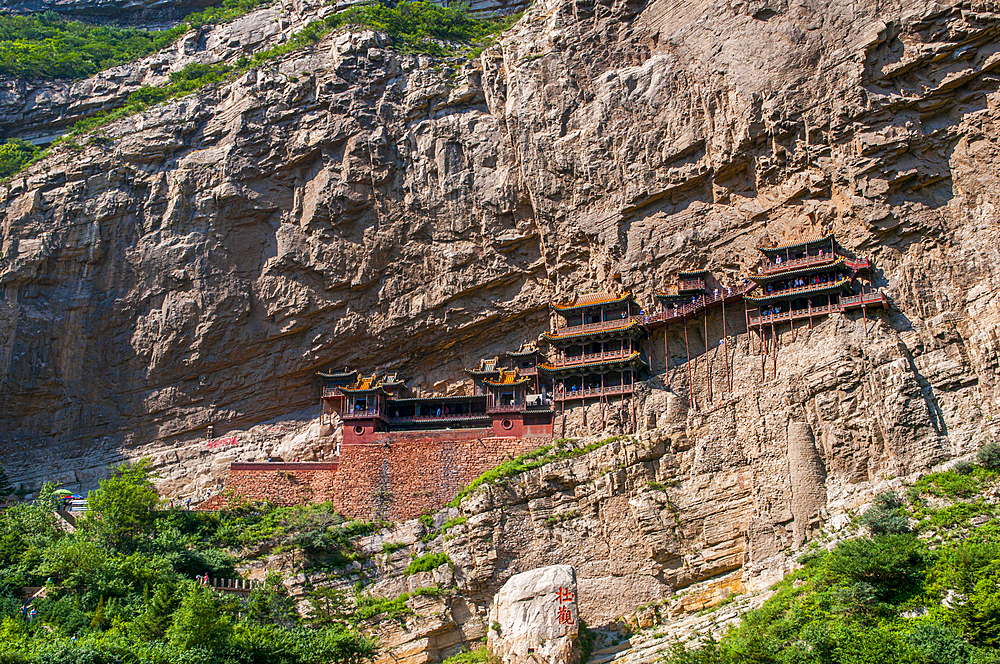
<point x="774" y="355"/>
<point x="708" y="365"/>
<point x="687" y="349"/>
<point x="666" y="358"/>
<point x="763" y="354"/>
<point x="725" y="347"/>
<point x="810" y="313"/>
<point x="864" y="313"/>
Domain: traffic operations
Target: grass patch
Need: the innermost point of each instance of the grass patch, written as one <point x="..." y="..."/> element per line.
<point x="369" y="607"/>
<point x="427" y="562"/>
<point x="561" y="449"/>
<point x="951" y="484"/>
<point x="390" y="548"/>
<point x="477" y="656"/>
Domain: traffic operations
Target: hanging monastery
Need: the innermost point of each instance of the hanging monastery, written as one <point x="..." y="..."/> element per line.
<point x="402" y="454"/>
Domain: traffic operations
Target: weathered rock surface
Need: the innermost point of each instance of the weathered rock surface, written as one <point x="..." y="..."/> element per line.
<point x="533" y="619"/>
<point x="350" y="206"/>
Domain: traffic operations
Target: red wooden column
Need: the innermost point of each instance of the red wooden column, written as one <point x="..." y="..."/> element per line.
<point x="708" y="364"/>
<point x="687" y="348"/>
<point x="774" y="355"/>
<point x="725" y="346"/>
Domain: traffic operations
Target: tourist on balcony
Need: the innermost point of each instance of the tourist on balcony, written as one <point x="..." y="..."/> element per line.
<point x="439" y="411"/>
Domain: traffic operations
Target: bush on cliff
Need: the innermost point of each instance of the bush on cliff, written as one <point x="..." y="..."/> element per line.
<point x="15" y="154"/>
<point x="48" y="46"/>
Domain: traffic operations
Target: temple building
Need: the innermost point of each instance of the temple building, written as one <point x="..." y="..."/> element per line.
<point x="807" y="279"/>
<point x="502" y="404"/>
<point x="596" y="352"/>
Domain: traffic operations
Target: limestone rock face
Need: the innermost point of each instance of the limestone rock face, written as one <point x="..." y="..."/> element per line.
<point x="534" y="619"/>
<point x="194" y="265"/>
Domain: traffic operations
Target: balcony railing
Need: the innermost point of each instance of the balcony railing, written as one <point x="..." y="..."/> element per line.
<point x="801" y="289"/>
<point x="846" y="302"/>
<point x="451" y="417"/>
<point x="592" y="357"/>
<point x="875" y="297"/>
<point x="361" y="414"/>
<point x="691" y="284"/>
<point x="805" y="261"/>
<point x="331" y="392"/>
<point x="591" y="392"/>
<point x="506" y="408"/>
<point x="615" y="324"/>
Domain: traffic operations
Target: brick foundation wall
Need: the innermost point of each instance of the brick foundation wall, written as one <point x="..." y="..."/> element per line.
<point x="283" y="483"/>
<point x="401" y="477"/>
<point x="404" y="479"/>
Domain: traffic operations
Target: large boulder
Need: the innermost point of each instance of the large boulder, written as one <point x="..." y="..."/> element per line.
<point x="534" y="619"/>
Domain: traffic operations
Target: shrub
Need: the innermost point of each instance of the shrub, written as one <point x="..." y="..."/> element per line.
<point x="888" y="500"/>
<point x="15" y="154"/>
<point x="884" y="522"/>
<point x="938" y="644"/>
<point x="885" y="561"/>
<point x="963" y="467"/>
<point x="989" y="455"/>
<point x="477" y="656"/>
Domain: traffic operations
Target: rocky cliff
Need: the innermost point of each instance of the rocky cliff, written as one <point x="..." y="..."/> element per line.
<point x="195" y="265"/>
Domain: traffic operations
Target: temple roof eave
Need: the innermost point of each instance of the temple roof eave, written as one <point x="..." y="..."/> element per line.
<point x="775" y="276"/>
<point x="578" y="304"/>
<point x="520" y="381"/>
<point x="795" y="245"/>
<point x="635" y="359"/>
<point x="480" y="372"/>
<point x="632" y="329"/>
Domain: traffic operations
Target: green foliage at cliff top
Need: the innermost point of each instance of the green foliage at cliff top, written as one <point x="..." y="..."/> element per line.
<point x="121" y="588"/>
<point x="413" y="27"/>
<point x="48" y="46"/>
<point x="931" y="596"/>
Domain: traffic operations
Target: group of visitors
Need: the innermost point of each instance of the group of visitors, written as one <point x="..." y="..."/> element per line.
<point x="800" y="282"/>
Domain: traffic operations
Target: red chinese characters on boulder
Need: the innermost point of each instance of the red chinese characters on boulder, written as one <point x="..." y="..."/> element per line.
<point x="566" y="600"/>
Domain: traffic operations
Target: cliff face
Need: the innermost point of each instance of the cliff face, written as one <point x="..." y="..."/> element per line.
<point x="194" y="265"/>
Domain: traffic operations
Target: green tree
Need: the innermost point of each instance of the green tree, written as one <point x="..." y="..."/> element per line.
<point x="155" y="621"/>
<point x="199" y="621"/>
<point x="14" y="154"/>
<point x="124" y="506"/>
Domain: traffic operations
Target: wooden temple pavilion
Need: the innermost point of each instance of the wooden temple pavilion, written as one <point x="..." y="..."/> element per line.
<point x="501" y="405"/>
<point x="803" y="280"/>
<point x="596" y="353"/>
